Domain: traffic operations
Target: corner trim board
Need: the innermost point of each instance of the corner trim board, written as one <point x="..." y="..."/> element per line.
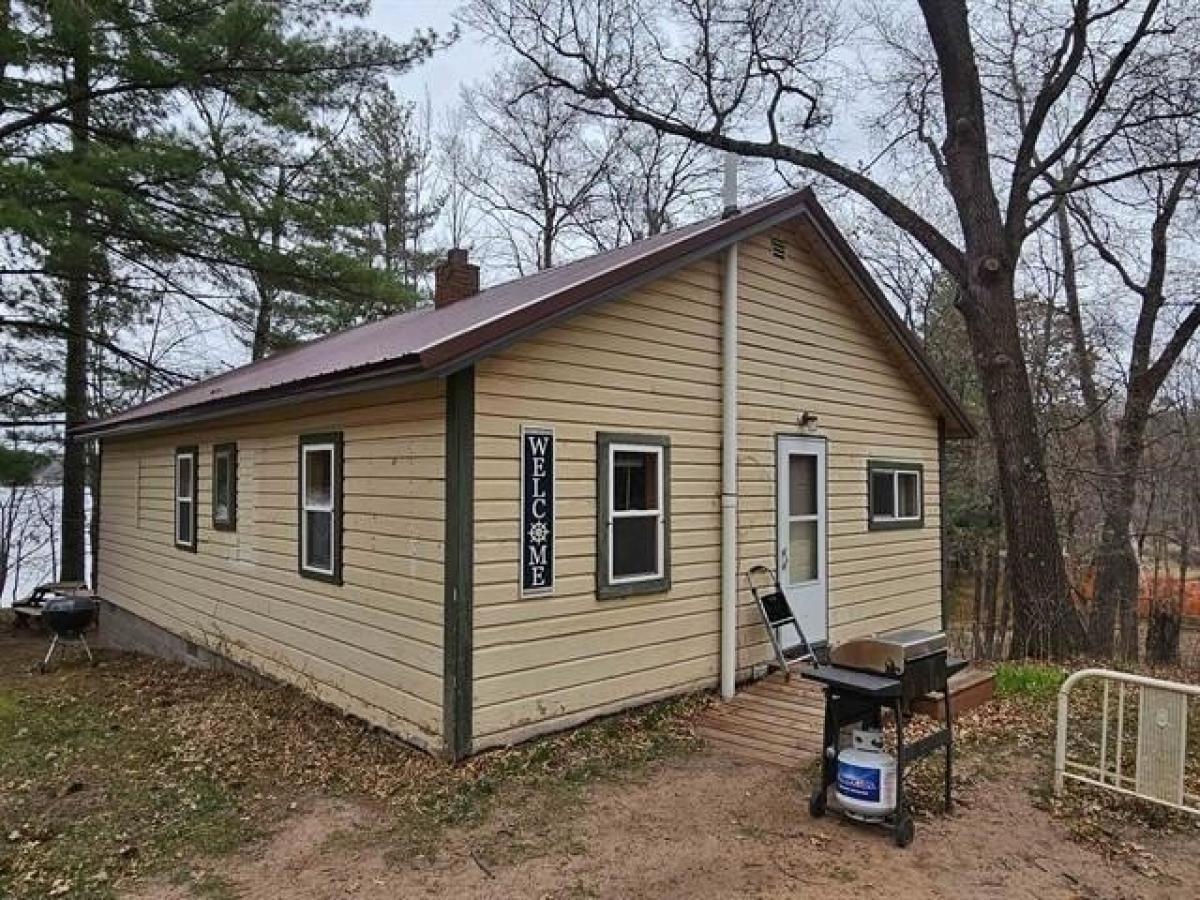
<point x="458" y="573"/>
<point x="943" y="545"/>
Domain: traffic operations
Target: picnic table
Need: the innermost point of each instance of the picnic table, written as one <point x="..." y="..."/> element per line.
<point x="28" y="609"/>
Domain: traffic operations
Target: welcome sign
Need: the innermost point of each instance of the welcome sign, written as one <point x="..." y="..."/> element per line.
<point x="537" y="511"/>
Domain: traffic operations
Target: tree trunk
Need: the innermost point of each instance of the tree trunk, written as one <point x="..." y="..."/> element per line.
<point x="977" y="604"/>
<point x="1045" y="621"/>
<point x="76" y="266"/>
<point x="265" y="282"/>
<point x="1166" y="618"/>
<point x="991" y="590"/>
<point x="263" y="320"/>
<point x="1005" y="618"/>
<point x="547" y="248"/>
<point x="1116" y="586"/>
<point x="1123" y="583"/>
<point x="1115" y="560"/>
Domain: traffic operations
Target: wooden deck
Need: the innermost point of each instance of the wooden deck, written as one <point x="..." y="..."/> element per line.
<point x="771" y="721"/>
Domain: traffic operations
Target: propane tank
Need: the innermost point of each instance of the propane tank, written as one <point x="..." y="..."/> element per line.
<point x="866" y="777"/>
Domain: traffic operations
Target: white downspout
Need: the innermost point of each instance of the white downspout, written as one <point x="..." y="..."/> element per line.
<point x="729" y="444"/>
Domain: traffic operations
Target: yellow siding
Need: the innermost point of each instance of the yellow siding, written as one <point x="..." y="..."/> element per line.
<point x="372" y="645"/>
<point x="650" y="363"/>
<point x="804" y="345"/>
<point x="647" y="363"/>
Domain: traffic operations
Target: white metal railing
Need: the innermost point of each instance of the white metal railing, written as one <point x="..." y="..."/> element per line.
<point x="1159" y="725"/>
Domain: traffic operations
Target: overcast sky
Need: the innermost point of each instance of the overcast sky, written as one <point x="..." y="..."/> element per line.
<point x="467" y="60"/>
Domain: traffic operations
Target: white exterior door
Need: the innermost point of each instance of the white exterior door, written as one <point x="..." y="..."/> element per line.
<point x="801" y="536"/>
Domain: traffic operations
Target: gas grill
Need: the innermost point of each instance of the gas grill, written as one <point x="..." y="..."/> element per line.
<point x="865" y="676"/>
<point x="914" y="658"/>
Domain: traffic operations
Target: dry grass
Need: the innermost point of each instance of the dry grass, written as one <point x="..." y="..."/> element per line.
<point x="109" y="776"/>
<point x="137" y="767"/>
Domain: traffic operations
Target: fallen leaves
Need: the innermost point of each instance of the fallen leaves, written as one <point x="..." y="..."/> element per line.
<point x="139" y="766"/>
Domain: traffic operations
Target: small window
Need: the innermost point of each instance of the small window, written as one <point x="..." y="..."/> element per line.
<point x="224" y="487"/>
<point x="185" y="497"/>
<point x="321" y="507"/>
<point x="633" y="519"/>
<point x="894" y="492"/>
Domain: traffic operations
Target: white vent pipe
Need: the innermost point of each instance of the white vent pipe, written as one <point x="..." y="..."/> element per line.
<point x="729" y="444"/>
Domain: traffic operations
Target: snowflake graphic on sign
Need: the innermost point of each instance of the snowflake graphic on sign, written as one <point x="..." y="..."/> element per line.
<point x="538" y="532"/>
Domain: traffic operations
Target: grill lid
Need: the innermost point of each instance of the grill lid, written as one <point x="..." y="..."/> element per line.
<point x="887" y="653"/>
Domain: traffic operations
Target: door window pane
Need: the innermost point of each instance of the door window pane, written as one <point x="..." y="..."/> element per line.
<point x="635" y="480"/>
<point x="802" y="552"/>
<point x="909" y="499"/>
<point x="635" y="547"/>
<point x="883" y="494"/>
<point x="802" y="485"/>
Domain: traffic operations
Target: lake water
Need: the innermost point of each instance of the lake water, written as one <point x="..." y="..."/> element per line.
<point x="29" y="523"/>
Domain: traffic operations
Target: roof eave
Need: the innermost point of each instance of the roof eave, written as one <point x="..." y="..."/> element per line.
<point x="376" y="377"/>
<point x="465" y="348"/>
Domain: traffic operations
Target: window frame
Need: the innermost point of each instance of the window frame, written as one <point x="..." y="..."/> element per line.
<point x="218" y="450"/>
<point x="191" y="452"/>
<point x="896" y="469"/>
<point x="608" y="444"/>
<point x="308" y="444"/>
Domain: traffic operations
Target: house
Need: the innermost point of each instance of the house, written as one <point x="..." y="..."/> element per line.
<point x="525" y="507"/>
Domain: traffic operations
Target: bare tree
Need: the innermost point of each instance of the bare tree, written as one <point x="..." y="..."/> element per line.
<point x="457" y="157"/>
<point x="764" y="79"/>
<point x="1157" y="275"/>
<point x="541" y="179"/>
<point x="653" y="182"/>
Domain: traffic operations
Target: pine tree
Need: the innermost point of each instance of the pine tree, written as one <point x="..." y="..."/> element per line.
<point x="110" y="198"/>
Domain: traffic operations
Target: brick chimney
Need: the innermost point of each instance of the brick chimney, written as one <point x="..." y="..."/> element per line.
<point x="454" y="278"/>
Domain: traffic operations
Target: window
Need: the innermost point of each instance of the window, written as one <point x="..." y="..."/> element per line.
<point x="633" y="506"/>
<point x="224" y="487"/>
<point x="185" y="497"/>
<point x="894" y="494"/>
<point x="321" y="507"/>
<point x="803" y="521"/>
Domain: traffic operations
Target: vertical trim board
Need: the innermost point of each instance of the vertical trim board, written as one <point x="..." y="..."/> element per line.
<point x="458" y="641"/>
<point x="943" y="522"/>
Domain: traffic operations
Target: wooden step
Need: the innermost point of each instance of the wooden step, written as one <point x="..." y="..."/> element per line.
<point x="772" y="720"/>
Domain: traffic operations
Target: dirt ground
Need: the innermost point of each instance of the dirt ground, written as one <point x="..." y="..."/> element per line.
<point x="232" y="789"/>
<point x="709" y="827"/>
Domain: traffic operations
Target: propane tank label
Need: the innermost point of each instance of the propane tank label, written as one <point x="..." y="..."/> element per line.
<point x="858" y="782"/>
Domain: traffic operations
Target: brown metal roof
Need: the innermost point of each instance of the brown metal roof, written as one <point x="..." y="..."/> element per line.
<point x="429" y="342"/>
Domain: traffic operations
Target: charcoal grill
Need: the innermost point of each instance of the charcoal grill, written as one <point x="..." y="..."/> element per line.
<point x="68" y="617"/>
<point x="887" y="671"/>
